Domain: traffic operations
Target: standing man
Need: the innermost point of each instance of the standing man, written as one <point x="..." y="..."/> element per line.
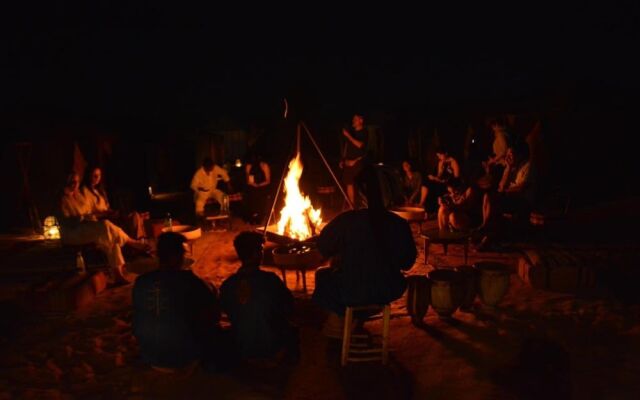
<point x="353" y="154"/>
<point x="204" y="185"/>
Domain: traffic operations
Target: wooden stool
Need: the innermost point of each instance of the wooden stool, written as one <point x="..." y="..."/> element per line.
<point x="361" y="352"/>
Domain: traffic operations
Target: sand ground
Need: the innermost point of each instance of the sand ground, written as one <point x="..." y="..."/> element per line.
<point x="535" y="345"/>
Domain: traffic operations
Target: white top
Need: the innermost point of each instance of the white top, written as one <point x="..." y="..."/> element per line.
<point x="74" y="204"/>
<point x="208" y="181"/>
<point x="522" y="176"/>
<point x="500" y="145"/>
<point x="97" y="201"/>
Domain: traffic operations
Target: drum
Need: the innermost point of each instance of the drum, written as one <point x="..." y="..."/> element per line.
<point x="446" y="291"/>
<point x="418" y="297"/>
<point x="493" y="282"/>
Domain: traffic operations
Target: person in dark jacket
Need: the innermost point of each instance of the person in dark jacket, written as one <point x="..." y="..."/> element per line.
<point x="175" y="313"/>
<point x="369" y="249"/>
<point x="258" y="305"/>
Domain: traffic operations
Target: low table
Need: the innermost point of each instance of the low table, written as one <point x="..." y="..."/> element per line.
<point x="413" y="215"/>
<point x="445" y="238"/>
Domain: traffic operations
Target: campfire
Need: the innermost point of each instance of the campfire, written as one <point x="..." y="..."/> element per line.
<point x="298" y="219"/>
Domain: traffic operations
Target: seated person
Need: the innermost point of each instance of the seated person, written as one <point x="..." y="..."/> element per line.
<point x="175" y="313"/>
<point x="258" y="304"/>
<point x="460" y="208"/>
<point x="500" y="144"/>
<point x="495" y="164"/>
<point x="514" y="193"/>
<point x="80" y="226"/>
<point x="258" y="175"/>
<point x="415" y="193"/>
<point x="204" y="185"/>
<point x="94" y="191"/>
<point x="448" y="168"/>
<point x="369" y="249"/>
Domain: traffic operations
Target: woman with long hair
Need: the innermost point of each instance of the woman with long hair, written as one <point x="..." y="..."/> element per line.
<point x="258" y="176"/>
<point x="79" y="226"/>
<point x="96" y="194"/>
<point x="415" y="193"/>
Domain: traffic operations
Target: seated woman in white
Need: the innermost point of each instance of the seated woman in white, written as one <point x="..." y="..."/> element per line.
<point x="95" y="193"/>
<point x="79" y="226"/>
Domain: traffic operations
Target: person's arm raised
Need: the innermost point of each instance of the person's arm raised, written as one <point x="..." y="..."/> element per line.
<point x="456" y="168"/>
<point x="267" y="174"/>
<point x="354" y="141"/>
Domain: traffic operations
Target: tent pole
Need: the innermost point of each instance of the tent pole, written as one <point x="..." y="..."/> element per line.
<point x="327" y="164"/>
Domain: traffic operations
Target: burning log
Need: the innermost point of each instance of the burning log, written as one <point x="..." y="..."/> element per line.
<point x="298" y="219"/>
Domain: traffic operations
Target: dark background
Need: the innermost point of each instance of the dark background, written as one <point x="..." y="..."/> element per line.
<point x="153" y="80"/>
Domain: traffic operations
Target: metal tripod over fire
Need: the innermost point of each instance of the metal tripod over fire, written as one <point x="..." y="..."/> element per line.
<point x="298" y="219"/>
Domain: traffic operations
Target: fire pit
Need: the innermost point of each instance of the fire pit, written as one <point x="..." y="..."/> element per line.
<point x="300" y="257"/>
<point x="272" y="235"/>
<point x="297" y="227"/>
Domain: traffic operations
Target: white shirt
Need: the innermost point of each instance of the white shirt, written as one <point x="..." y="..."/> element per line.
<point x="500" y="145"/>
<point x="97" y="201"/>
<point x="522" y="176"/>
<point x="208" y="181"/>
<point x="74" y="204"/>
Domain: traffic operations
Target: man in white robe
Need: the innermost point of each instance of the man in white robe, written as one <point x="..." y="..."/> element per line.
<point x="204" y="184"/>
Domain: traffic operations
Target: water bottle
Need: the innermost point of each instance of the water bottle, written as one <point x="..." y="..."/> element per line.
<point x="225" y="205"/>
<point x="80" y="266"/>
<point x="168" y="222"/>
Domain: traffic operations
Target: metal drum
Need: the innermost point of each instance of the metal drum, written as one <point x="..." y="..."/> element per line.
<point x="446" y="291"/>
<point x="493" y="282"/>
<point x="418" y="297"/>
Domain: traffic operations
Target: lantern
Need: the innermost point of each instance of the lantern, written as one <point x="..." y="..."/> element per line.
<point x="51" y="228"/>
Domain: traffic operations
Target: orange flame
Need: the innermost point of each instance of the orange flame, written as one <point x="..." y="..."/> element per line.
<point x="298" y="219"/>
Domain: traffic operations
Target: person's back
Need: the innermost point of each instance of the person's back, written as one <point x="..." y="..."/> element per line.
<point x="369" y="248"/>
<point x="174" y="312"/>
<point x="175" y="316"/>
<point x="258" y="305"/>
<point x="372" y="246"/>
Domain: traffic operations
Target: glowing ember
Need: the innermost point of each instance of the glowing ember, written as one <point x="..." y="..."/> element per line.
<point x="298" y="219"/>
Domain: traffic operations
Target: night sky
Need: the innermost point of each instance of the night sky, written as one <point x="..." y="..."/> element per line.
<point x="163" y="60"/>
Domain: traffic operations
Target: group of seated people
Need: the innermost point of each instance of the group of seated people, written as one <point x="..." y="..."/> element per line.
<point x="87" y="218"/>
<point x="464" y="204"/>
<point x="177" y="315"/>
<point x="256" y="194"/>
<point x="416" y="189"/>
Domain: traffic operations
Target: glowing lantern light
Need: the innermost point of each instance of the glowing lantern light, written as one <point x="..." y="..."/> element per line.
<point x="51" y="228"/>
